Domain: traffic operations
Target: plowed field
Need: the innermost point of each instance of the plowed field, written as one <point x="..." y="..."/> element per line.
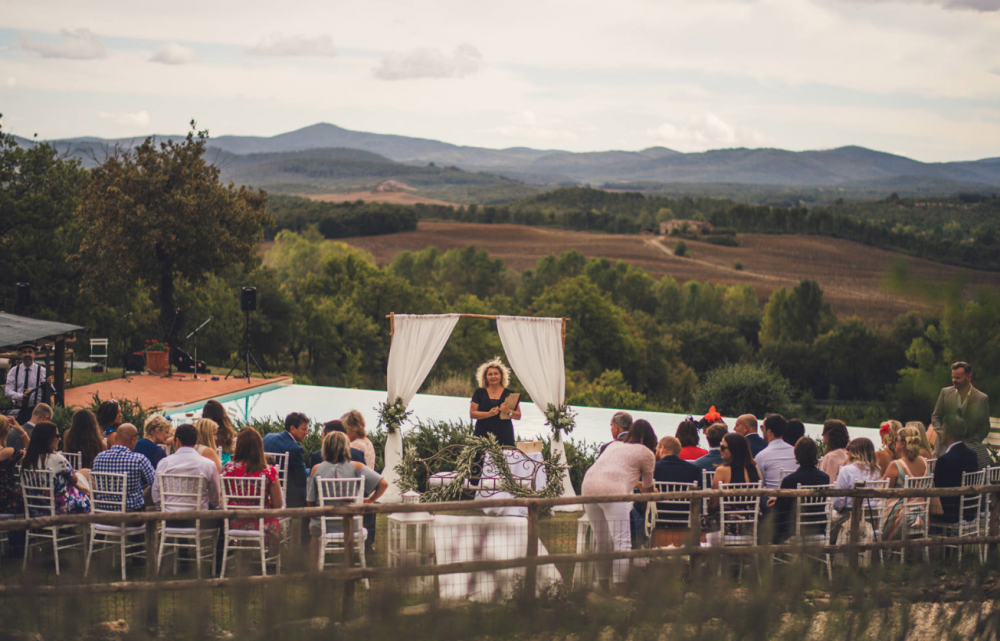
<point x="851" y="274"/>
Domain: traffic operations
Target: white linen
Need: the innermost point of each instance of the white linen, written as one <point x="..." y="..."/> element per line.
<point x="522" y="468"/>
<point x="534" y="348"/>
<point x="417" y="341"/>
<point x="485" y="538"/>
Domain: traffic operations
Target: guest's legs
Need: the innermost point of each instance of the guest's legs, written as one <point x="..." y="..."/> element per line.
<point x="617" y="515"/>
<point x="602" y="535"/>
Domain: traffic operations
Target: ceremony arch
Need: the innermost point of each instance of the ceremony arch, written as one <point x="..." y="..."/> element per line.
<point x="535" y="350"/>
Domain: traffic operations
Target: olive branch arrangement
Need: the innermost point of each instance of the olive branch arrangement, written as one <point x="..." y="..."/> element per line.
<point x="561" y="419"/>
<point x="392" y="415"/>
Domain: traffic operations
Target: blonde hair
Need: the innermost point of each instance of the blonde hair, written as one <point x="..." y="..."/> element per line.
<point x="336" y="447"/>
<point x="353" y="421"/>
<point x="924" y="443"/>
<point x="862" y="452"/>
<point x="206" y="432"/>
<point x="911" y="440"/>
<point x="888" y="440"/>
<point x="490" y="364"/>
<point x="154" y="424"/>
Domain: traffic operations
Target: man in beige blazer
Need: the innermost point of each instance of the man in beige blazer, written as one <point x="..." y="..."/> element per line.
<point x="968" y="403"/>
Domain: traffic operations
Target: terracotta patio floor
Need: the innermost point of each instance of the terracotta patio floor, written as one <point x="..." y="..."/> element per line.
<point x="156" y="390"/>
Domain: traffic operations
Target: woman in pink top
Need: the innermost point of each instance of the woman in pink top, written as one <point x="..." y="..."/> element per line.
<point x="617" y="471"/>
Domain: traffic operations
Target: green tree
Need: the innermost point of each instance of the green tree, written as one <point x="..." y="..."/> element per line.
<point x="154" y="215"/>
<point x="610" y="390"/>
<point x="798" y="315"/>
<point x="743" y="388"/>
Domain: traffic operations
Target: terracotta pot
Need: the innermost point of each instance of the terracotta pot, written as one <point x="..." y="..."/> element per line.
<point x="157" y="362"/>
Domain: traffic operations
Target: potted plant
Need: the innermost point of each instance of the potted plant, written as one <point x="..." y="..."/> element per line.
<point x="157" y="356"/>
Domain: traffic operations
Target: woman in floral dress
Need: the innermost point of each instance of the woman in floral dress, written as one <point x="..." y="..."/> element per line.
<point x="42" y="454"/>
<point x="249" y="462"/>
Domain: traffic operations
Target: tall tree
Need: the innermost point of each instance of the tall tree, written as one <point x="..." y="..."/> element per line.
<point x="157" y="214"/>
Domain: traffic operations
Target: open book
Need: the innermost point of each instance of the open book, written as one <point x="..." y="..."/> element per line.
<point x="512" y="400"/>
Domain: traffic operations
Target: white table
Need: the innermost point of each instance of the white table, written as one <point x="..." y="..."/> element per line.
<point x="522" y="468"/>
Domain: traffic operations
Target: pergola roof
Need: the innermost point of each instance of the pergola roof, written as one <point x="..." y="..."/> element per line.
<point x="15" y="330"/>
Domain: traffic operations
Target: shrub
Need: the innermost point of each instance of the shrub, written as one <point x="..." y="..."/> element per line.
<point x="744" y="388"/>
<point x="455" y="385"/>
<point x="738" y="266"/>
<point x="610" y="390"/>
<point x="681" y="249"/>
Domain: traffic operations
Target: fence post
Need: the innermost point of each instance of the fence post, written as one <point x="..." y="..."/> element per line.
<point x="694" y="536"/>
<point x="348" y="603"/>
<point x="857" y="505"/>
<point x="994" y="524"/>
<point x="531" y="570"/>
<point x="152" y="597"/>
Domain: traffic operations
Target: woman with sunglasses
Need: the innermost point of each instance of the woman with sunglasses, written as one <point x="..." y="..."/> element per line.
<point x="737" y="464"/>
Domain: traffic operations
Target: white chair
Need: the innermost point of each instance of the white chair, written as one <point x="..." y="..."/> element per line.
<point x="992" y="478"/>
<point x="782" y="473"/>
<point x="931" y="464"/>
<point x="74" y="458"/>
<point x="916" y="512"/>
<point x="280" y="462"/>
<point x="108" y="493"/>
<point x="177" y="493"/>
<point x="669" y="513"/>
<point x="249" y="494"/>
<point x="707" y="476"/>
<point x="738" y="518"/>
<point x="969" y="508"/>
<point x="332" y="492"/>
<point x="38" y="490"/>
<point x="872" y="512"/>
<point x="99" y="350"/>
<point x="813" y="518"/>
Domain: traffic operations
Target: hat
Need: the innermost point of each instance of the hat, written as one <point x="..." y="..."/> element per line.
<point x="712" y="416"/>
<point x="24" y="346"/>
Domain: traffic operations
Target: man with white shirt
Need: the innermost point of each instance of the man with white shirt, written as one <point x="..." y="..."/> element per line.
<point x="42" y="412"/>
<point x="27" y="384"/>
<point x="187" y="461"/>
<point x="778" y="455"/>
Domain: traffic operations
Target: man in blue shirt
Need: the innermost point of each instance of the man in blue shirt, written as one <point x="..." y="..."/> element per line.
<point x="159" y="432"/>
<point x="713" y="459"/>
<point x="287" y="442"/>
<point x="121" y="459"/>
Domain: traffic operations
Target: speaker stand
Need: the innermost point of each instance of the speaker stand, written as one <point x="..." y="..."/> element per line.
<point x="245" y="357"/>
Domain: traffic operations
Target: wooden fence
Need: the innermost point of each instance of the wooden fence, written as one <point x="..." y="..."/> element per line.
<point x="530" y="561"/>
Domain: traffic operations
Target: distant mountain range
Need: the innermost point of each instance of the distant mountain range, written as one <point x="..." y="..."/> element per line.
<point x="326" y="156"/>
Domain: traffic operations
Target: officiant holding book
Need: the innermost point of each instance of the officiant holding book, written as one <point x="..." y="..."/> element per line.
<point x="494" y="407"/>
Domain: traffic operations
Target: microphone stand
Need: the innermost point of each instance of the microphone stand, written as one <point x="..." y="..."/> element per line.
<point x="194" y="376"/>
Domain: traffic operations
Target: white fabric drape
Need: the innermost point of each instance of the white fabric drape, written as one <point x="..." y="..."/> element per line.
<point x="417" y="342"/>
<point x="534" y="348"/>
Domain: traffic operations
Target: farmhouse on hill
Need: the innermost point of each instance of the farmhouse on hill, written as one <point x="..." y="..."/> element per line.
<point x="681" y="226"/>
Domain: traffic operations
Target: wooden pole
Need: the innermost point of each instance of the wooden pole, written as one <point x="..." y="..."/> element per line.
<point x="392" y="324"/>
<point x="60" y="372"/>
<point x="347" y="610"/>
<point x="994" y="524"/>
<point x="694" y="537"/>
<point x="856" y="507"/>
<point x="151" y="601"/>
<point x="531" y="554"/>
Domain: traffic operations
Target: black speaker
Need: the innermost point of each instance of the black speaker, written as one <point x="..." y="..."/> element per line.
<point x="22" y="294"/>
<point x="248" y="299"/>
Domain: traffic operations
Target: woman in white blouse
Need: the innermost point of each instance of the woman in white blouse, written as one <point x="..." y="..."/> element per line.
<point x="862" y="466"/>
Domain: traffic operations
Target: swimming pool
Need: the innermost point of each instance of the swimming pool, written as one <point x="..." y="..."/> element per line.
<point x="327" y="403"/>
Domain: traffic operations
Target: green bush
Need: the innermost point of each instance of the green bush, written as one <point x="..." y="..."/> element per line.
<point x="681" y="249"/>
<point x="738" y="266"/>
<point x="744" y="388"/>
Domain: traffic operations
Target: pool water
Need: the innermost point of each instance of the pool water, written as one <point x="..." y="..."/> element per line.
<point x="327" y="403"/>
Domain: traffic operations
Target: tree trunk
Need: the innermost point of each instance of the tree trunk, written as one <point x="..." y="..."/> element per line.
<point x="167" y="310"/>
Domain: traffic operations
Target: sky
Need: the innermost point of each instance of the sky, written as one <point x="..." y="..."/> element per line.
<point x="920" y="78"/>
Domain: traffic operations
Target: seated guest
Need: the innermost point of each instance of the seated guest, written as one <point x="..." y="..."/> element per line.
<point x="337" y="464"/>
<point x="11" y="500"/>
<point x="670" y="467"/>
<point x="926" y="449"/>
<point x="861" y="467"/>
<point x="908" y="463"/>
<point x="956" y="459"/>
<point x="354" y="423"/>
<point x="226" y="437"/>
<point x="746" y="425"/>
<point x="889" y="431"/>
<point x="737" y="467"/>
<point x="287" y="442"/>
<point x="109" y="417"/>
<point x="43" y="454"/>
<point x="84" y="437"/>
<point x="711" y="460"/>
<point x="249" y="461"/>
<point x="835" y="440"/>
<point x="157" y="431"/>
<point x="642" y="432"/>
<point x="620" y="424"/>
<point x="334" y="426"/>
<point x="187" y="462"/>
<point x="207" y="430"/>
<point x="794" y="430"/>
<point x="121" y="458"/>
<point x="806" y="455"/>
<point x="687" y="434"/>
<point x="42" y="412"/>
<point x="778" y="455"/>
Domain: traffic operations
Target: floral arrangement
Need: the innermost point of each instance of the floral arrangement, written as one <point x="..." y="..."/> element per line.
<point x="392" y="415"/>
<point x="469" y="465"/>
<point x="561" y="419"/>
<point x="154" y="345"/>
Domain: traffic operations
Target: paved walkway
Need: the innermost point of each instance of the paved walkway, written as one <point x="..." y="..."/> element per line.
<point x="156" y="390"/>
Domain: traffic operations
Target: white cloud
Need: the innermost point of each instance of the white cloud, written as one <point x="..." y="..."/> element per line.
<point x="81" y="44"/>
<point x="428" y="62"/>
<point x="174" y="54"/>
<point x="11" y="81"/>
<point x="277" y="44"/>
<point x="974" y="5"/>
<point x="526" y="126"/>
<point x="137" y="119"/>
<point x="706" y="131"/>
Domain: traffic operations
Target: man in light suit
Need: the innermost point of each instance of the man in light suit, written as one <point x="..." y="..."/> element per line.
<point x="963" y="401"/>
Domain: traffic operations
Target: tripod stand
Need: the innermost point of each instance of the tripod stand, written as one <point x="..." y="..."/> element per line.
<point x="245" y="354"/>
<point x="194" y="376"/>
